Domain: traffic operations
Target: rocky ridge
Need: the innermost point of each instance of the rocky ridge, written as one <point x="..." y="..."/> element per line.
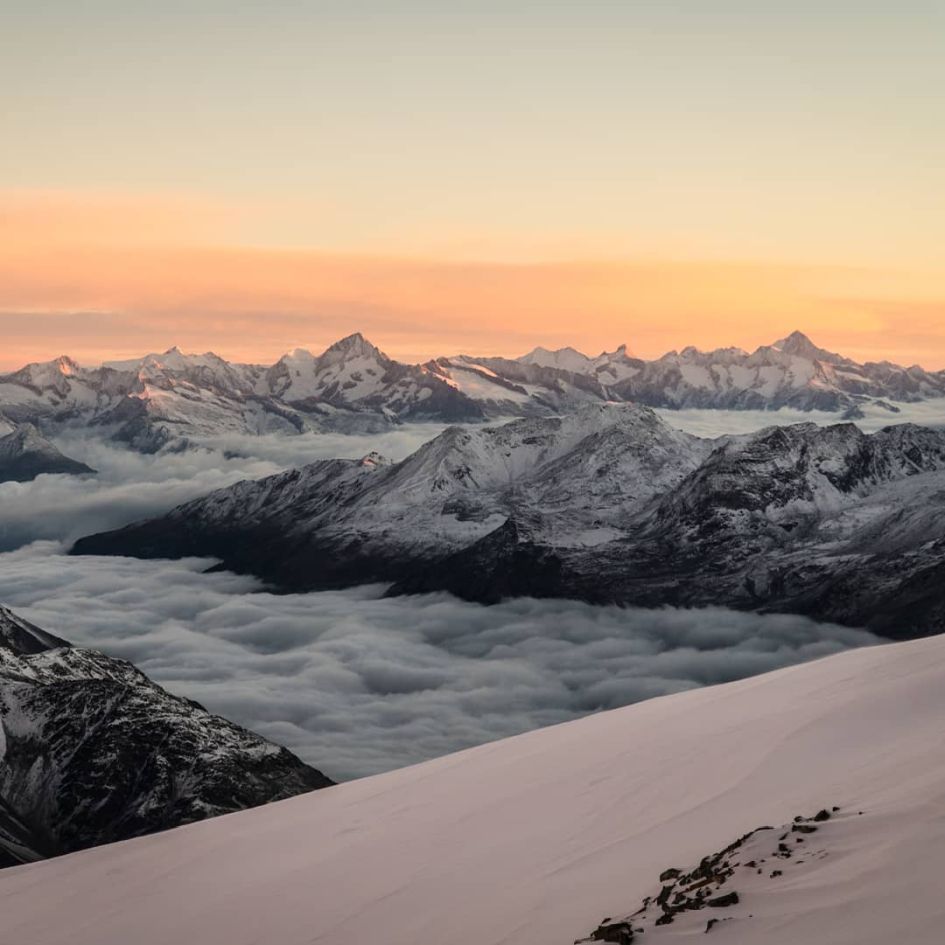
<point x="168" y="399"/>
<point x="608" y="504"/>
<point x="92" y="751"/>
<point x="25" y="454"/>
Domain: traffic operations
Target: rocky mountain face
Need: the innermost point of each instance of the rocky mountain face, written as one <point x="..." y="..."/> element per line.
<point x="92" y="751"/>
<point x="165" y="399"/>
<point x="25" y="454"/>
<point x="607" y="504"/>
<point x="792" y="372"/>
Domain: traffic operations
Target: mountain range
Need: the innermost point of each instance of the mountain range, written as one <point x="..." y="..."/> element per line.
<point x="92" y="751"/>
<point x="164" y="400"/>
<point x="608" y="504"/>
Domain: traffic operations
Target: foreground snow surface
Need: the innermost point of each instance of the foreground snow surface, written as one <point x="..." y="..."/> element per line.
<point x="535" y="839"/>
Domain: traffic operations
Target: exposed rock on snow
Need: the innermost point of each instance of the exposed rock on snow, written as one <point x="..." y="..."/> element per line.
<point x="738" y="875"/>
<point x="92" y="751"/>
<point x="607" y="504"/>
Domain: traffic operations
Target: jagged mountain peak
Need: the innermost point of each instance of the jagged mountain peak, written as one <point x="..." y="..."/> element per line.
<point x="354" y="345"/>
<point x="67" y="365"/>
<point x="353" y="385"/>
<point x="25" y="454"/>
<point x="22" y="638"/>
<point x="799" y="344"/>
<point x="564" y="359"/>
<point x="297" y="354"/>
<point x="619" y="352"/>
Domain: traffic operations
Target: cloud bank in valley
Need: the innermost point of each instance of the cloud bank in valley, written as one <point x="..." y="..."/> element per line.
<point x="358" y="684"/>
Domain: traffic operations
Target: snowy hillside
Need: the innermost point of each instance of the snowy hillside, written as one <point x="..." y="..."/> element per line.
<point x="606" y="504"/>
<point x="537" y="839"/>
<point x="166" y="399"/>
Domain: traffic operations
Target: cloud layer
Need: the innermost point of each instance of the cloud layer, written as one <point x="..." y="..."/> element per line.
<point x="357" y="684"/>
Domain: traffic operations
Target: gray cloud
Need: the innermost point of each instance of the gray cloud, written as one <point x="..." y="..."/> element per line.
<point x="357" y="684"/>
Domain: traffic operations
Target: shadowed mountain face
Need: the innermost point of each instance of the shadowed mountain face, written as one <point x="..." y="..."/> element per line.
<point x="608" y="504"/>
<point x="165" y="399"/>
<point x="92" y="751"/>
<point x="26" y="453"/>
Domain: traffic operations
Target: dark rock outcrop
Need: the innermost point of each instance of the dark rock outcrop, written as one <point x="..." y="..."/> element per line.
<point x="92" y="751"/>
<point x="26" y="453"/>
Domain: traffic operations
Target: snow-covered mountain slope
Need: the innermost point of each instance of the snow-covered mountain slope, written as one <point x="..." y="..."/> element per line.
<point x="607" y="504"/>
<point x="535" y="839"/>
<point x="340" y="522"/>
<point x="354" y="374"/>
<point x="792" y="372"/>
<point x="25" y="454"/>
<point x="166" y="399"/>
<point x="92" y="751"/>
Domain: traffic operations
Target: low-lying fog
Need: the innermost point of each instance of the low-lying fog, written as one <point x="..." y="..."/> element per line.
<point x="358" y="684"/>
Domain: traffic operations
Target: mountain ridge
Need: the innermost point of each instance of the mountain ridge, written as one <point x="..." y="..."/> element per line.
<point x="608" y="504"/>
<point x="169" y="398"/>
<point x="92" y="751"/>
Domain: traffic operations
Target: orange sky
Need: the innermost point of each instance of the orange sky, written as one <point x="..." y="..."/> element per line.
<point x="478" y="175"/>
<point x="102" y="276"/>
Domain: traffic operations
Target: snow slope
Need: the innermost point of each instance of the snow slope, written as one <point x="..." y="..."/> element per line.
<point x="535" y="839"/>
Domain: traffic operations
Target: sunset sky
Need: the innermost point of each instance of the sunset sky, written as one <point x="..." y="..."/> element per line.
<point x="471" y="176"/>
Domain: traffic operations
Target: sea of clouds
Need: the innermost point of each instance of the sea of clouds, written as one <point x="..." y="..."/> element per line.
<point x="356" y="683"/>
<point x="352" y="681"/>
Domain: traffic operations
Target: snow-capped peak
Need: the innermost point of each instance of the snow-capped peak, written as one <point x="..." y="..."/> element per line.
<point x="22" y="637"/>
<point x="564" y="359"/>
<point x="797" y="343"/>
<point x="298" y="354"/>
<point x="67" y="367"/>
<point x="352" y="346"/>
<point x="619" y="352"/>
